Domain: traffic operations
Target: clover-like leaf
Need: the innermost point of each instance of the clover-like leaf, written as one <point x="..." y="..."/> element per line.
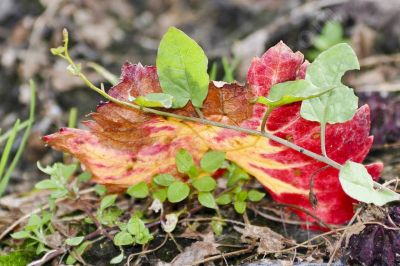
<point x="177" y="192"/>
<point x="182" y="68"/>
<point x="139" y="191"/>
<point x="205" y="184"/>
<point x="212" y="161"/>
<point x="207" y="200"/>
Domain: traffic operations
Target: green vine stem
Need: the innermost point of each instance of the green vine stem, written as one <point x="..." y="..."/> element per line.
<point x="265" y="118"/>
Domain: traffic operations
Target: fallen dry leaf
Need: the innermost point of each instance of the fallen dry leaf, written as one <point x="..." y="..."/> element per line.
<point x="267" y="239"/>
<point x="125" y="146"/>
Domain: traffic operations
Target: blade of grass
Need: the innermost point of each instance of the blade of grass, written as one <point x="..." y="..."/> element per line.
<point x="213" y="71"/>
<point x="4" y="180"/>
<point x="6" y="152"/>
<point x="8" y="133"/>
<point x="73" y="114"/>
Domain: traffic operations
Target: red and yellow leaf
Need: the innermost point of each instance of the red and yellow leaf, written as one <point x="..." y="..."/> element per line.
<point x="125" y="146"/>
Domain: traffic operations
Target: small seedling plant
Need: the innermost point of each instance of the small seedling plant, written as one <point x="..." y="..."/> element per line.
<point x="213" y="180"/>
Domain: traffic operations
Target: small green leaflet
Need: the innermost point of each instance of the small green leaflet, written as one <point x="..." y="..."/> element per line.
<point x="139" y="191"/>
<point x="108" y="201"/>
<point x="164" y="179"/>
<point x="182" y="68"/>
<point x="224" y="199"/>
<point x="155" y="100"/>
<point x="177" y="192"/>
<point x="290" y="92"/>
<point x="185" y="164"/>
<point x="358" y="184"/>
<point x="205" y="184"/>
<point x="74" y="241"/>
<point x="212" y="161"/>
<point x="207" y="200"/>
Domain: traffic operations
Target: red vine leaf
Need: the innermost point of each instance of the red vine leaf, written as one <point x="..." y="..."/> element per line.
<point x="125" y="146"/>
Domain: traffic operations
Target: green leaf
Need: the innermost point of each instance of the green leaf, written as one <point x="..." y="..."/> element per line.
<point x="118" y="259"/>
<point x="255" y="195"/>
<point x="75" y="69"/>
<point x="224" y="199"/>
<point x="34" y="222"/>
<point x="109" y="216"/>
<point x="241" y="196"/>
<point x="177" y="191"/>
<point x="21" y="235"/>
<point x="100" y="190"/>
<point x="74" y="241"/>
<point x="358" y="184"/>
<point x="160" y="194"/>
<point x="84" y="177"/>
<point x="240" y="206"/>
<point x="205" y="184"/>
<point x="332" y="33"/>
<point x="123" y="238"/>
<point x="47" y="184"/>
<point x="184" y="161"/>
<point x="207" y="200"/>
<point x="138" y="229"/>
<point x="139" y="191"/>
<point x="336" y="106"/>
<point x="290" y="92"/>
<point x="182" y="68"/>
<point x="212" y="161"/>
<point x="155" y="100"/>
<point x="217" y="227"/>
<point x="164" y="179"/>
<point x="328" y="68"/>
<point x="70" y="260"/>
<point x="58" y="50"/>
<point x="236" y="174"/>
<point x="107" y="201"/>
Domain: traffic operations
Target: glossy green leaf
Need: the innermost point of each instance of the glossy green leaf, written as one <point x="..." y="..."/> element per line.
<point x="207" y="200"/>
<point x="177" y="191"/>
<point x="155" y="100"/>
<point x="358" y="184"/>
<point x="139" y="191"/>
<point x="205" y="183"/>
<point x="182" y="68"/>
<point x="212" y="161"/>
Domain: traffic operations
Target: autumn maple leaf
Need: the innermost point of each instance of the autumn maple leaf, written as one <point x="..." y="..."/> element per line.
<point x="125" y="146"/>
